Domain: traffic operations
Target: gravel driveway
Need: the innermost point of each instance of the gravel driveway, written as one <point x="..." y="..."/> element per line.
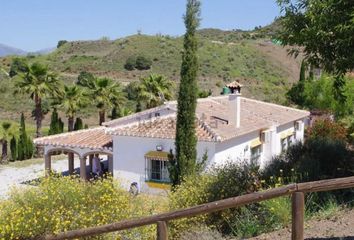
<point x="12" y="176"/>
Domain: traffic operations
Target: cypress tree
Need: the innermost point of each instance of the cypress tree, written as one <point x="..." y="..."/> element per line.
<point x="186" y="140"/>
<point x="54" y="123"/>
<point x="302" y="77"/>
<point x="13" y="148"/>
<point x="60" y="126"/>
<point x="296" y="92"/>
<point x="138" y="107"/>
<point x="30" y="148"/>
<point x="22" y="141"/>
<point x="114" y="114"/>
<point x="78" y="124"/>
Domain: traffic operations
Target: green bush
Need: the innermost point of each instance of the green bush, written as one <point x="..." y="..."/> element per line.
<point x="143" y="63"/>
<point x="193" y="191"/>
<point x="130" y="63"/>
<point x="61" y="43"/>
<point x="229" y="180"/>
<point x="316" y="159"/>
<point x="18" y="65"/>
<point x="64" y="203"/>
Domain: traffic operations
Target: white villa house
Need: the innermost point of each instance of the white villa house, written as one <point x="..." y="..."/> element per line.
<point x="228" y="127"/>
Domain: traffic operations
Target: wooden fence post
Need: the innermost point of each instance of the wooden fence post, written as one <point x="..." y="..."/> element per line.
<point x="298" y="212"/>
<point x="162" y="232"/>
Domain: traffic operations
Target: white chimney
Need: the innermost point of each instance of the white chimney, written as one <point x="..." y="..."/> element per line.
<point x="235" y="108"/>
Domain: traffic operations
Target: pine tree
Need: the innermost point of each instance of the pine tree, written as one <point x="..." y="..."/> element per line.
<point x="13" y="148"/>
<point x="78" y="124"/>
<point x="186" y="140"/>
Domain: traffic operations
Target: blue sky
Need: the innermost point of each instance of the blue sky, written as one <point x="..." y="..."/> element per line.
<point x="36" y="24"/>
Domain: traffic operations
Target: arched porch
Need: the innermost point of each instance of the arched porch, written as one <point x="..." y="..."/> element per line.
<point x="83" y="144"/>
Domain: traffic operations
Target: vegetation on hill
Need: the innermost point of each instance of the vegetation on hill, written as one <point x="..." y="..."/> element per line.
<point x="223" y="58"/>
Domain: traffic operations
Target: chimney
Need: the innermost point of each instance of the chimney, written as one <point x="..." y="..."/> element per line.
<point x="235" y="108"/>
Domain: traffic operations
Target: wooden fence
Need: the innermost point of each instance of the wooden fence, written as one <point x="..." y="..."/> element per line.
<point x="296" y="190"/>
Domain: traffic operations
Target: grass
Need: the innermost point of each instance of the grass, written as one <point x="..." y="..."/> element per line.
<point x="30" y="128"/>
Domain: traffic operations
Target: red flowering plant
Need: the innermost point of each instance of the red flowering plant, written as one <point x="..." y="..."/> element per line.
<point x="327" y="129"/>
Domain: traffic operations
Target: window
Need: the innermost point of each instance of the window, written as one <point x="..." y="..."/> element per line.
<point x="158" y="171"/>
<point x="256" y="154"/>
<point x="283" y="143"/>
<point x="290" y="140"/>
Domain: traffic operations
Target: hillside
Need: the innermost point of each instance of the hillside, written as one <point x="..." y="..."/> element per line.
<point x="264" y="69"/>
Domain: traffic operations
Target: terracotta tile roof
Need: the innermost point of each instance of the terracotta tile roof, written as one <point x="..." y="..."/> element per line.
<point x="214" y="122"/>
<point x="94" y="138"/>
<point x="255" y="115"/>
<point x="162" y="127"/>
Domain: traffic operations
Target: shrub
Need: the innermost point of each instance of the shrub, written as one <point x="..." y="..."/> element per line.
<point x="143" y="63"/>
<point x="229" y="180"/>
<point x="193" y="191"/>
<point x="85" y="79"/>
<point x="64" y="203"/>
<point x="130" y="63"/>
<point x="18" y="65"/>
<point x="316" y="159"/>
<point x="327" y="129"/>
<point x="61" y="43"/>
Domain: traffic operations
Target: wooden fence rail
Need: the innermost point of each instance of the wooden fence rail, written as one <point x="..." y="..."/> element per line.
<point x="296" y="190"/>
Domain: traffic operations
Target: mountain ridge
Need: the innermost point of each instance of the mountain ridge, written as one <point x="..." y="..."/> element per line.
<point x="6" y="50"/>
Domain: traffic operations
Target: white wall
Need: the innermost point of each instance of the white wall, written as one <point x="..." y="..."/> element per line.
<point x="299" y="134"/>
<point x="235" y="149"/>
<point x="129" y="161"/>
<point x="239" y="148"/>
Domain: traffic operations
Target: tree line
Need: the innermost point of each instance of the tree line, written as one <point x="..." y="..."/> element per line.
<point x="49" y="93"/>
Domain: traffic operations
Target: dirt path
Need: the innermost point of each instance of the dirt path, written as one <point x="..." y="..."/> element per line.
<point x="337" y="227"/>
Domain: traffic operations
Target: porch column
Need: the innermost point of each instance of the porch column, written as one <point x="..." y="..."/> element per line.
<point x="90" y="162"/>
<point x="110" y="164"/>
<point x="83" y="174"/>
<point x="71" y="163"/>
<point x="47" y="164"/>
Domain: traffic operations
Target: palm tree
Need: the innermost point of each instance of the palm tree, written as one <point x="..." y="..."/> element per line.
<point x="71" y="100"/>
<point x="4" y="139"/>
<point x="39" y="83"/>
<point x="154" y="90"/>
<point x="106" y="94"/>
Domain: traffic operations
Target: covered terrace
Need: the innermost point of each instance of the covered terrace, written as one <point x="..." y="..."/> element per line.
<point x="83" y="143"/>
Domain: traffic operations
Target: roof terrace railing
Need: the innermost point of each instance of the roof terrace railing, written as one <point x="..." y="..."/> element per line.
<point x="298" y="208"/>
